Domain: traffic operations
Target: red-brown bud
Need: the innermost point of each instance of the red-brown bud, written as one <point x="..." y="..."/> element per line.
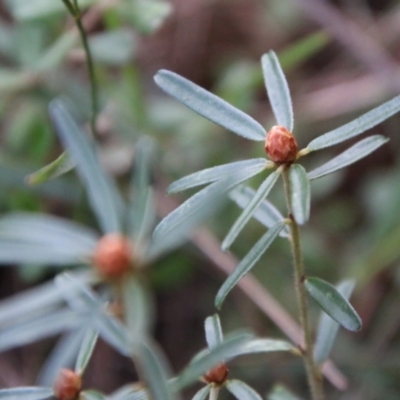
<point x="217" y="375"/>
<point x="280" y="145"/>
<point x="113" y="255"/>
<point x="67" y="385"/>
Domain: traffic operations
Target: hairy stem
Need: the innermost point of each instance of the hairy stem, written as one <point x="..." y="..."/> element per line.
<point x="313" y="373"/>
<point x="75" y="11"/>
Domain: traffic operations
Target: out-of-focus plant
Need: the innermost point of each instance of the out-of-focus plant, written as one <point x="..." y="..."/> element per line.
<point x="282" y="150"/>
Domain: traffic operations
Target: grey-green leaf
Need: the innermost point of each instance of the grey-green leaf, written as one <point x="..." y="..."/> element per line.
<point x="241" y="390"/>
<point x="279" y="392"/>
<point x="154" y="371"/>
<point x="349" y="156"/>
<point x="56" y="168"/>
<point x="333" y="303"/>
<point x="201" y="200"/>
<point x="278" y="90"/>
<point x="357" y="126"/>
<point x="250" y="209"/>
<point x="248" y="262"/>
<point x="300" y="193"/>
<point x="92" y="395"/>
<point x="38" y="238"/>
<point x="328" y="328"/>
<point x="102" y="191"/>
<point x="267" y="214"/>
<point x="216" y="173"/>
<point x="213" y="330"/>
<point x="25" y="393"/>
<point x="265" y="346"/>
<point x="209" y="106"/>
<point x="85" y="352"/>
<point x="203" y="363"/>
<point x="202" y="393"/>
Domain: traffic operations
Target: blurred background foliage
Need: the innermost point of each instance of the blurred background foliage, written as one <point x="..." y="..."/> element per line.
<point x="341" y="58"/>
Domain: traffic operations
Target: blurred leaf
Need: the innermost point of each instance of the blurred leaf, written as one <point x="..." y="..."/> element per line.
<point x="350" y="156"/>
<point x="113" y="48"/>
<point x="328" y="328"/>
<point x="302" y="49"/>
<point x="250" y="209"/>
<point x="217" y="173"/>
<point x="154" y="371"/>
<point x="265" y="346"/>
<point x="300" y="193"/>
<point x="86" y="350"/>
<point x="242" y="391"/>
<point x="281" y="393"/>
<point x="39" y="328"/>
<point x="248" y="262"/>
<point x="136" y="312"/>
<point x="357" y="126"/>
<point x="209" y="106"/>
<point x="59" y="166"/>
<point x="146" y="15"/>
<point x="25" y="393"/>
<point x="13" y="80"/>
<point x="92" y="395"/>
<point x="333" y="303"/>
<point x="43" y="239"/>
<point x="267" y="214"/>
<point x="202" y="393"/>
<point x="134" y="391"/>
<point x="24" y="10"/>
<point x="206" y="361"/>
<point x="141" y="206"/>
<point x="205" y="199"/>
<point x="102" y="191"/>
<point x="214" y="335"/>
<point x="278" y="90"/>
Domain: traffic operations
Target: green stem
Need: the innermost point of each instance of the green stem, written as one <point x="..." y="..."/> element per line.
<point x="313" y="373"/>
<point x="75" y="11"/>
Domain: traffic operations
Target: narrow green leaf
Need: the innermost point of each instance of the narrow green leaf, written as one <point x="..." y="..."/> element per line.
<point x="154" y="371"/>
<point x="199" y="202"/>
<point x="44" y="239"/>
<point x="202" y="393"/>
<point x="214" y="335"/>
<point x="39" y="328"/>
<point x="357" y="126"/>
<point x="328" y="328"/>
<point x="86" y="350"/>
<point x="250" y="209"/>
<point x="278" y="90"/>
<point x="102" y="191"/>
<point x="216" y="173"/>
<point x="209" y="106"/>
<point x="300" y="193"/>
<point x="333" y="303"/>
<point x="56" y="168"/>
<point x="265" y="346"/>
<point x="350" y="156"/>
<point x="25" y="393"/>
<point x="241" y="390"/>
<point x="141" y="208"/>
<point x="267" y="214"/>
<point x="248" y="262"/>
<point x="134" y="391"/>
<point x="203" y="363"/>
<point x="279" y="392"/>
<point x="137" y="310"/>
<point x="92" y="395"/>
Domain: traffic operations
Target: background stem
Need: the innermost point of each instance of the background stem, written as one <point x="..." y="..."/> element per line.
<point x="313" y="373"/>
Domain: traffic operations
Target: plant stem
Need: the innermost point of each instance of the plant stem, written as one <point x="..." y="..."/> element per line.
<point x="214" y="392"/>
<point x="313" y="373"/>
<point x="75" y="11"/>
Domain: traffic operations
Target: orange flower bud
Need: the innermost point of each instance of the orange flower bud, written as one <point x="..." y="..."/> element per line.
<point x="217" y="375"/>
<point x="280" y="145"/>
<point x="67" y="385"/>
<point x="113" y="255"/>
